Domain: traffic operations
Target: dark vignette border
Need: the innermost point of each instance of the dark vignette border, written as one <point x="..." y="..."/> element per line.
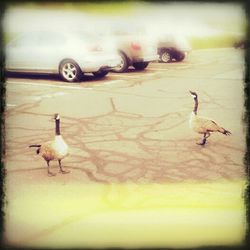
<point x="245" y="3"/>
<point x="2" y="140"/>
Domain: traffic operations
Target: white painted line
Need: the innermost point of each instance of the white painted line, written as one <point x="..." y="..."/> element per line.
<point x="210" y="49"/>
<point x="49" y="85"/>
<point x="38" y="98"/>
<point x="134" y="75"/>
<point x="123" y="76"/>
<point x="171" y="67"/>
<point x="63" y="86"/>
<point x="110" y="82"/>
<point x="156" y="69"/>
<point x="11" y="105"/>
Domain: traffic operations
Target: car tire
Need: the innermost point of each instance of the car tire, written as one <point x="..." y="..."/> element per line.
<point x="166" y="56"/>
<point x="70" y="71"/>
<point x="179" y="57"/>
<point x="140" y="65"/>
<point x="100" y="73"/>
<point x="123" y="67"/>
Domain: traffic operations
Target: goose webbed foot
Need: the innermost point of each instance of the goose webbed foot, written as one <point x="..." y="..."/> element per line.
<point x="64" y="171"/>
<point x="201" y="143"/>
<point x="50" y="174"/>
<point x="204" y="140"/>
<point x="61" y="170"/>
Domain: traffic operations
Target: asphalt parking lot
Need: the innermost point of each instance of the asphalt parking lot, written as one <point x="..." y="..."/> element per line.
<point x="126" y="129"/>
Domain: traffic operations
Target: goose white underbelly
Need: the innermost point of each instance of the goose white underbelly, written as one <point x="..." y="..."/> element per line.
<point x="61" y="148"/>
<point x="196" y="124"/>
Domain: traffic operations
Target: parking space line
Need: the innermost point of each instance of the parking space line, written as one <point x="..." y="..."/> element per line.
<point x="11" y="105"/>
<point x="134" y="75"/>
<point x="110" y="82"/>
<point x="48" y="96"/>
<point x="170" y="67"/>
<point x="124" y="76"/>
<point x="63" y="86"/>
<point x="156" y="69"/>
<point x="48" y="85"/>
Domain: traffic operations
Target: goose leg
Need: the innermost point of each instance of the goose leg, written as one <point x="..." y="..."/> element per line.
<point x="49" y="173"/>
<point x="61" y="170"/>
<point x="205" y="136"/>
<point x="203" y="142"/>
<point x="208" y="134"/>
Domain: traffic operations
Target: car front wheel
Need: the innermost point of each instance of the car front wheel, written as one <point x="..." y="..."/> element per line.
<point x="140" y="65"/>
<point x="70" y="71"/>
<point x="165" y="56"/>
<point x="179" y="57"/>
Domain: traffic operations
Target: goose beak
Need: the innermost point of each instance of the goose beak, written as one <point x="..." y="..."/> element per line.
<point x="56" y="116"/>
<point x="193" y="93"/>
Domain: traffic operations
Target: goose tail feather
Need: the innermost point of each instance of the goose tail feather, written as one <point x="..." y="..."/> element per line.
<point x="36" y="146"/>
<point x="225" y="132"/>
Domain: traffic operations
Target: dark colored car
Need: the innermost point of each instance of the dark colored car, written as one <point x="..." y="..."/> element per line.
<point x="172" y="48"/>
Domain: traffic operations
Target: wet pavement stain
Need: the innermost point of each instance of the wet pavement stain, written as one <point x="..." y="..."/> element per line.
<point x="122" y="146"/>
<point x="133" y="159"/>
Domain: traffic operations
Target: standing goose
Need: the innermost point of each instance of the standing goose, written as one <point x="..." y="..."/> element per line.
<point x="203" y="125"/>
<point x="53" y="150"/>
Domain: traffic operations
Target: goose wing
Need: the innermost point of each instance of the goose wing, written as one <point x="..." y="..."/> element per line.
<point x="207" y="125"/>
<point x="47" y="150"/>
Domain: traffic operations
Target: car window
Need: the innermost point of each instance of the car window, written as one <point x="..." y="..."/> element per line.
<point x="51" y="39"/>
<point x="25" y="41"/>
<point x="87" y="37"/>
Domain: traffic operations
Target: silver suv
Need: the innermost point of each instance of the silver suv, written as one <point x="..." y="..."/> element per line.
<point x="134" y="47"/>
<point x="136" y="51"/>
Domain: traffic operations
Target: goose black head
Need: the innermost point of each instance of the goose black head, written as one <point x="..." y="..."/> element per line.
<point x="56" y="117"/>
<point x="193" y="94"/>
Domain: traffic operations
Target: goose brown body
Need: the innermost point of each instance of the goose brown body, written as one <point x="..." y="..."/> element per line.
<point x="54" y="150"/>
<point x="203" y="125"/>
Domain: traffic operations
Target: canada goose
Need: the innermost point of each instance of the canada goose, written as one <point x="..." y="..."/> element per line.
<point x="203" y="125"/>
<point x="53" y="150"/>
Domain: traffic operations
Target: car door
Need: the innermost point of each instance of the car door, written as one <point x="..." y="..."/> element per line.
<point x="51" y="49"/>
<point x="38" y="52"/>
<point x="20" y="53"/>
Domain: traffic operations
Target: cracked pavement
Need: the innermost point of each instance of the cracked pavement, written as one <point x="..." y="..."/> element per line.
<point x="129" y="128"/>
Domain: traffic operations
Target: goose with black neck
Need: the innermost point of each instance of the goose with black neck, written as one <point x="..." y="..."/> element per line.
<point x="54" y="150"/>
<point x="203" y="125"/>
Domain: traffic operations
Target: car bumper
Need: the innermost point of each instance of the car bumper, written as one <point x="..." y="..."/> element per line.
<point x="183" y="50"/>
<point x="147" y="58"/>
<point x="96" y="64"/>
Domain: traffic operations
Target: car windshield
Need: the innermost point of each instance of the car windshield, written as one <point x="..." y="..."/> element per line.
<point x="38" y="39"/>
<point x="50" y="38"/>
<point x="87" y="37"/>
